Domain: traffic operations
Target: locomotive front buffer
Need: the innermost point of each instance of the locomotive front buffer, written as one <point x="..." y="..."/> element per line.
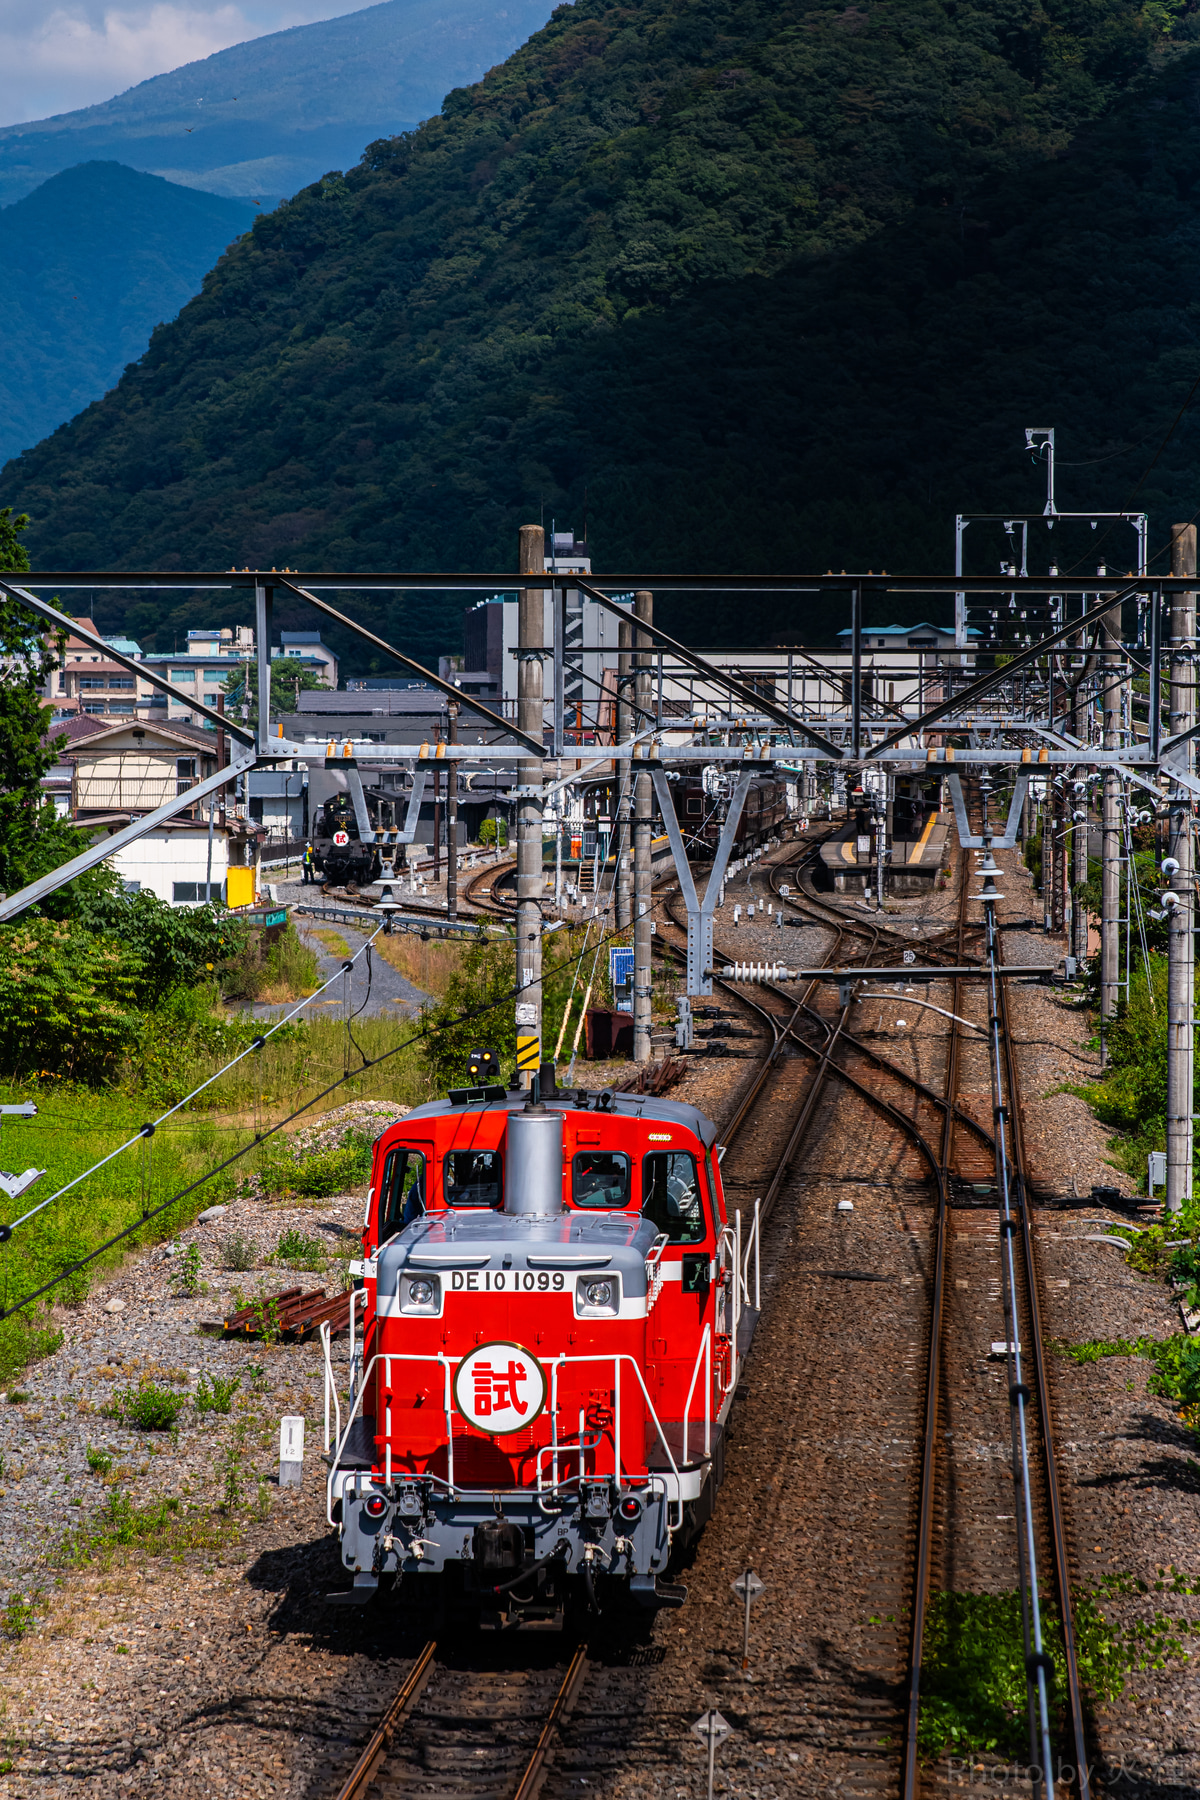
<point x="545" y="1350"/>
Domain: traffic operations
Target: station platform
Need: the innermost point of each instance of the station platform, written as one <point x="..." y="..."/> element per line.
<point x="911" y="869"/>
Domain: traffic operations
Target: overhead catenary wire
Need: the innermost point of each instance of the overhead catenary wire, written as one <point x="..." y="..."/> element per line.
<point x="149" y="1129"/>
<point x="426" y="1031"/>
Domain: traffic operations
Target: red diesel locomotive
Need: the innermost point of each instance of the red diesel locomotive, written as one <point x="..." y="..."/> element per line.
<point x="554" y="1315"/>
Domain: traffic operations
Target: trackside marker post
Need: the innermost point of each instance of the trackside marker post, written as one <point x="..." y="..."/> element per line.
<point x="712" y="1730"/>
<point x="291" y="1451"/>
<point x="747" y="1587"/>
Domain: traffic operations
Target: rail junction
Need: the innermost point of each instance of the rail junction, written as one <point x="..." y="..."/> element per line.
<point x="1069" y="726"/>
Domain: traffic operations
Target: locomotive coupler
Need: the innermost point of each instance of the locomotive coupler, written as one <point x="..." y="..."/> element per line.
<point x="597" y="1502"/>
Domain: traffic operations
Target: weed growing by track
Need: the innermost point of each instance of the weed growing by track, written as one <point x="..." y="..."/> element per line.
<point x="1176" y="1361"/>
<point x="163" y="1527"/>
<point x="973" y="1683"/>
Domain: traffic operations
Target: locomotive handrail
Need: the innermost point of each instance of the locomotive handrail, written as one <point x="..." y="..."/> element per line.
<point x="555" y="1446"/>
<point x="654" y="1258"/>
<point x="446" y="1481"/>
<point x="616" y="1358"/>
<point x="753" y="1243"/>
<point x="732" y="1235"/>
<point x="330" y="1387"/>
<point x="704" y="1351"/>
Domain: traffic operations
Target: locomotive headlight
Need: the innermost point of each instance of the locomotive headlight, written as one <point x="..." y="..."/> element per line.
<point x="420" y="1294"/>
<point x="598" y="1297"/>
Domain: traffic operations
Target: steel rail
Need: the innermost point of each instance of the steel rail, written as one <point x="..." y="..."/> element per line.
<point x="1057" y="1517"/>
<point x="380" y="1740"/>
<point x="536" y="1769"/>
<point x="927" y="1490"/>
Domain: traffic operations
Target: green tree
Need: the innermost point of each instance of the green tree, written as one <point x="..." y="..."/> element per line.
<point x="289" y="679"/>
<point x="33" y="839"/>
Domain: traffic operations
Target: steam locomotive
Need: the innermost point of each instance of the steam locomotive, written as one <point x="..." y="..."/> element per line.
<point x="338" y="849"/>
<point x="554" y="1316"/>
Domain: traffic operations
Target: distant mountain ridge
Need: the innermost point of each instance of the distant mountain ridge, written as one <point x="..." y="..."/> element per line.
<point x="767" y="284"/>
<point x="262" y="119"/>
<point x="104" y="254"/>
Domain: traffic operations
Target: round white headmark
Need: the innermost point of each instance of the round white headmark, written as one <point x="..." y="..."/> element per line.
<point x="500" y="1388"/>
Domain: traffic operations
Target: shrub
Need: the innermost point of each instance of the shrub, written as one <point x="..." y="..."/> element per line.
<point x="215" y="1394"/>
<point x="147" y="1407"/>
<point x="280" y="969"/>
<point x="68" y="1001"/>
<point x="187" y="1274"/>
<point x="299" y="1251"/>
<point x="328" y="1172"/>
<point x="99" y="1461"/>
<point x="239" y="1253"/>
<point x="18" y="1617"/>
<point x="158" y="1527"/>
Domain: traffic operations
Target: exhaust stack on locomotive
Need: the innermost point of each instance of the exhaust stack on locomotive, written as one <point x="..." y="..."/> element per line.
<point x="534" y="1188"/>
<point x="545" y="1351"/>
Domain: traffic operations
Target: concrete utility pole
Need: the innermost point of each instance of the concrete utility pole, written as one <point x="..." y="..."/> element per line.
<point x="643" y="809"/>
<point x="1110" y="868"/>
<point x="1181" y="973"/>
<point x="530" y="644"/>
<point x="1079" y="841"/>
<point x="1047" y="855"/>
<point x="623" y="774"/>
<point x="452" y="818"/>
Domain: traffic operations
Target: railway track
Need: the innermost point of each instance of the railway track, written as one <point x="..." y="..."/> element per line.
<point x="962" y="1157"/>
<point x="447" y="1720"/>
<point x="467" y="1735"/>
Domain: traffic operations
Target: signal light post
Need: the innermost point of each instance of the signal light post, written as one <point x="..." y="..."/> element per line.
<point x="1181" y="973"/>
<point x="530" y="645"/>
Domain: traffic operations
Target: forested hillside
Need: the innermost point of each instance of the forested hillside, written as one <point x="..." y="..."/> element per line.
<point x="262" y="118"/>
<point x="777" y="285"/>
<point x="97" y="256"/>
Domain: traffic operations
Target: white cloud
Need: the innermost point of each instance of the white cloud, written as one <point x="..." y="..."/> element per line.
<point x="83" y="52"/>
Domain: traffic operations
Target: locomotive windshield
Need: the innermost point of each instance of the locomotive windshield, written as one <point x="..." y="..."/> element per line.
<point x="473" y="1178"/>
<point x="600" y="1178"/>
<point x="671" y="1195"/>
<point x="402" y="1194"/>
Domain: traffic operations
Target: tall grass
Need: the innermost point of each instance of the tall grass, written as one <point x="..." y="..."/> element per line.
<point x="76" y="1126"/>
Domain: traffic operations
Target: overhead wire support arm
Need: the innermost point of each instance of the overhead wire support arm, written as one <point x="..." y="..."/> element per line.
<point x="755" y="702"/>
<point x="997" y="677"/>
<point x="52" y="615"/>
<point x="435" y="681"/>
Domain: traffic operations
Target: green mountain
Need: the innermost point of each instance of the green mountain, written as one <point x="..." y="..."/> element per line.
<point x="762" y="285"/>
<point x="97" y="257"/>
<point x="262" y="118"/>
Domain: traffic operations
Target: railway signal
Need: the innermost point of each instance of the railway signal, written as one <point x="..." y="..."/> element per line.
<point x="712" y="1729"/>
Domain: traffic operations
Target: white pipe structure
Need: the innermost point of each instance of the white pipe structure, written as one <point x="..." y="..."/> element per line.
<point x="907" y="1000"/>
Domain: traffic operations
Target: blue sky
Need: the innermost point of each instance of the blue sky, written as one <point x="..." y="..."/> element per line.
<point x="56" y="55"/>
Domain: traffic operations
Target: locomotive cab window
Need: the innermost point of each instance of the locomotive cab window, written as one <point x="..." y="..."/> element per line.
<point x="600" y="1178"/>
<point x="473" y="1178"/>
<point x="402" y="1191"/>
<point x="671" y="1195"/>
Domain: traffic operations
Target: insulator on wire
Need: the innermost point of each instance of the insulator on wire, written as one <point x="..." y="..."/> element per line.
<point x="759" y="972"/>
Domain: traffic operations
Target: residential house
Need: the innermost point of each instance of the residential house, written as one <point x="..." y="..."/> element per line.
<point x="122" y="770"/>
